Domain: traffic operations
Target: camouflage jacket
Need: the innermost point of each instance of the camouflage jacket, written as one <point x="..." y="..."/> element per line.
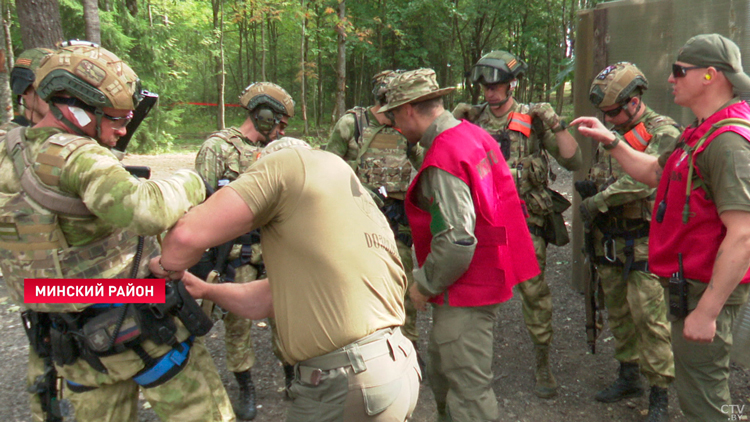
<point x="36" y="242"/>
<point x="527" y="157"/>
<point x="225" y="155"/>
<point x="385" y="160"/>
<point x="619" y="194"/>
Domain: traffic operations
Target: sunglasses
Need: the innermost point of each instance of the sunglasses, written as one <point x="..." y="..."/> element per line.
<point x="615" y="111"/>
<point x="119" y="122"/>
<point x="679" y="71"/>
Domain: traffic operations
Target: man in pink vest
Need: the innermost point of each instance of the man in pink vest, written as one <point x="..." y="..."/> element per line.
<point x="471" y="241"/>
<point x="700" y="231"/>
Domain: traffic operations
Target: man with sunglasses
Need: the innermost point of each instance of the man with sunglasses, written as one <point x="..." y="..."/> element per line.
<point x="700" y="231"/>
<point x="221" y="159"/>
<point x="69" y="209"/>
<point x="528" y="134"/>
<point x="618" y="210"/>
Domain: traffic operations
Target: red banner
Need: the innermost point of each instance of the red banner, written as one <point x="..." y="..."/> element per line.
<point x="93" y="290"/>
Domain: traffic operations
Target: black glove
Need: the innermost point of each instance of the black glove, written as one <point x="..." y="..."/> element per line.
<point x="586" y="188"/>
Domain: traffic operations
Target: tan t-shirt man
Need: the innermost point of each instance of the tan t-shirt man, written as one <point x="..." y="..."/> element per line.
<point x="331" y="257"/>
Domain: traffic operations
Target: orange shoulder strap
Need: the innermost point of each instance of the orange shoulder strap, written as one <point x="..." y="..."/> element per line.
<point x="519" y="122"/>
<point x="638" y="138"/>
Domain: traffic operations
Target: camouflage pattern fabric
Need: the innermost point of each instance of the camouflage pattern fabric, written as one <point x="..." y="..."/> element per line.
<point x="531" y="155"/>
<point x="102" y="246"/>
<point x="636" y="307"/>
<point x="386" y="163"/>
<point x="6" y="127"/>
<point x="225" y="155"/>
<point x="194" y="394"/>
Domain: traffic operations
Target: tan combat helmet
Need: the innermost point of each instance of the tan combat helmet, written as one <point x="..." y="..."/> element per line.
<point x="380" y="84"/>
<point x="84" y="75"/>
<point x="616" y="84"/>
<point x="267" y="104"/>
<point x="25" y="67"/>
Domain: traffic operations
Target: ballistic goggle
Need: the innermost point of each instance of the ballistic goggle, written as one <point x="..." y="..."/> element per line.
<point x="488" y="75"/>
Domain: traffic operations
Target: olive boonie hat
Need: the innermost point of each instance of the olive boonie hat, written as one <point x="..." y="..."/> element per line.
<point x="413" y="86"/>
<point x="714" y="50"/>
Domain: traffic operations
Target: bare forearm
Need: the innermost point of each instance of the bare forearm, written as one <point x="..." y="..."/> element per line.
<point x="248" y="300"/>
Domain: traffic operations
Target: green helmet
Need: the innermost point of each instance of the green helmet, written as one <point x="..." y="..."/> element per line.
<point x="616" y="84"/>
<point x="91" y="74"/>
<point x="267" y="94"/>
<point x="24" y="70"/>
<point x="498" y="67"/>
<point x="380" y="84"/>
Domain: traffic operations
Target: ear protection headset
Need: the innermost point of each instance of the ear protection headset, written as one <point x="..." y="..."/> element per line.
<point x="265" y="119"/>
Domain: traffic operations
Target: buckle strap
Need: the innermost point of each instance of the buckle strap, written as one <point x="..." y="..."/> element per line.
<point x="166" y="367"/>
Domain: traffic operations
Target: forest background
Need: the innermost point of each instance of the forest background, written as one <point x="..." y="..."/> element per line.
<point x="198" y="55"/>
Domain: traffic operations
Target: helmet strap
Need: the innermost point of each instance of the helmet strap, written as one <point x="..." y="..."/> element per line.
<point x="508" y="96"/>
<point x="631" y="116"/>
<point x="59" y="116"/>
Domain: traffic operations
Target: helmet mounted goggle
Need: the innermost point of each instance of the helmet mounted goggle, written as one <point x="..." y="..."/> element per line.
<point x="489" y="75"/>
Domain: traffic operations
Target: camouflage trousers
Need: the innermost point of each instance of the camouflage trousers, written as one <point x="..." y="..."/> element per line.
<point x="537" y="298"/>
<point x="237" y="339"/>
<point x="35" y="368"/>
<point x="637" y="316"/>
<point x="409" y="328"/>
<point x="702" y="380"/>
<point x="194" y="394"/>
<point x="460" y="362"/>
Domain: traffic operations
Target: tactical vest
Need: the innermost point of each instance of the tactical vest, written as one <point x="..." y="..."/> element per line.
<point x="606" y="171"/>
<point x="690" y="224"/>
<point x="525" y="156"/>
<point x="382" y="160"/>
<point x="32" y="244"/>
<point x="247" y="154"/>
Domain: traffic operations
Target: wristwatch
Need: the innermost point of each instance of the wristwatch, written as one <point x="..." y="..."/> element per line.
<point x="560" y="126"/>
<point x="610" y="146"/>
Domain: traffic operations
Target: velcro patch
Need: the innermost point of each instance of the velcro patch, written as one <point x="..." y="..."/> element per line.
<point x="90" y="72"/>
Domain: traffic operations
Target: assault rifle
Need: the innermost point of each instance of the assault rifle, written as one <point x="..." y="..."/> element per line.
<point x="592" y="288"/>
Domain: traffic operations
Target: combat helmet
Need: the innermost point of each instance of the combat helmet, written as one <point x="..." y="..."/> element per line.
<point x="616" y="84"/>
<point x="498" y="67"/>
<point x="267" y="104"/>
<point x="380" y="84"/>
<point x="84" y="75"/>
<point x="24" y="69"/>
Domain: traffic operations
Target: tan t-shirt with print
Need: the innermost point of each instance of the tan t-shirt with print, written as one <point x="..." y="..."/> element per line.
<point x="331" y="257"/>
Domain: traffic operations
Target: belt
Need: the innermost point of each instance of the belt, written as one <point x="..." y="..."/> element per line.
<point x="354" y="355"/>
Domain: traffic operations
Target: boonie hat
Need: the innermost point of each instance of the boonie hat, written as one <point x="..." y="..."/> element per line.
<point x="717" y="51"/>
<point x="413" y="86"/>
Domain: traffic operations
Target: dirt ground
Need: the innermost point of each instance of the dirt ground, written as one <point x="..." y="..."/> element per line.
<point x="579" y="373"/>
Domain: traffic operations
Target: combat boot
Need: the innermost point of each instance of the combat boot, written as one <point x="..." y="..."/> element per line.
<point x="288" y="379"/>
<point x="658" y="405"/>
<point x="628" y="384"/>
<point x="545" y="386"/>
<point x="245" y="406"/>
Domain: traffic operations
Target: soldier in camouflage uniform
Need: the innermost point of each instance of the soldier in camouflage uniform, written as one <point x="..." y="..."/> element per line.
<point x="80" y="214"/>
<point x="21" y="80"/>
<point x="380" y="156"/>
<point x="618" y="209"/>
<point x="222" y="158"/>
<point x="528" y="135"/>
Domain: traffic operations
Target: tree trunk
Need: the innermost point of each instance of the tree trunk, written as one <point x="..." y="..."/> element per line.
<point x="218" y="9"/>
<point x="6" y="96"/>
<point x="341" y="62"/>
<point x="303" y="58"/>
<point x="263" y="48"/>
<point x="39" y="22"/>
<point x="91" y="20"/>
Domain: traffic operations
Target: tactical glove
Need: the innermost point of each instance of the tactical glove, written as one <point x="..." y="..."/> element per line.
<point x="545" y="113"/>
<point x="586" y="188"/>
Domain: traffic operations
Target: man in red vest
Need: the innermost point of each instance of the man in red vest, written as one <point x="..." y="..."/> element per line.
<point x="470" y="238"/>
<point x="700" y="232"/>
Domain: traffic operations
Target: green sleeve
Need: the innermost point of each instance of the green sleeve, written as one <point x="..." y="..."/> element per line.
<point x="549" y="141"/>
<point x="147" y="207"/>
<point x="210" y="160"/>
<point x="449" y="202"/>
<point x="725" y="167"/>
<point x="341" y="138"/>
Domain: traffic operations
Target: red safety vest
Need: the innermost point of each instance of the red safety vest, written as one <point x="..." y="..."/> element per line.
<point x="698" y="238"/>
<point x="504" y="255"/>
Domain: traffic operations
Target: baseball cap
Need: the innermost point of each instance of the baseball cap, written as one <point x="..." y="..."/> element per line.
<point x="413" y="86"/>
<point x="714" y="50"/>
